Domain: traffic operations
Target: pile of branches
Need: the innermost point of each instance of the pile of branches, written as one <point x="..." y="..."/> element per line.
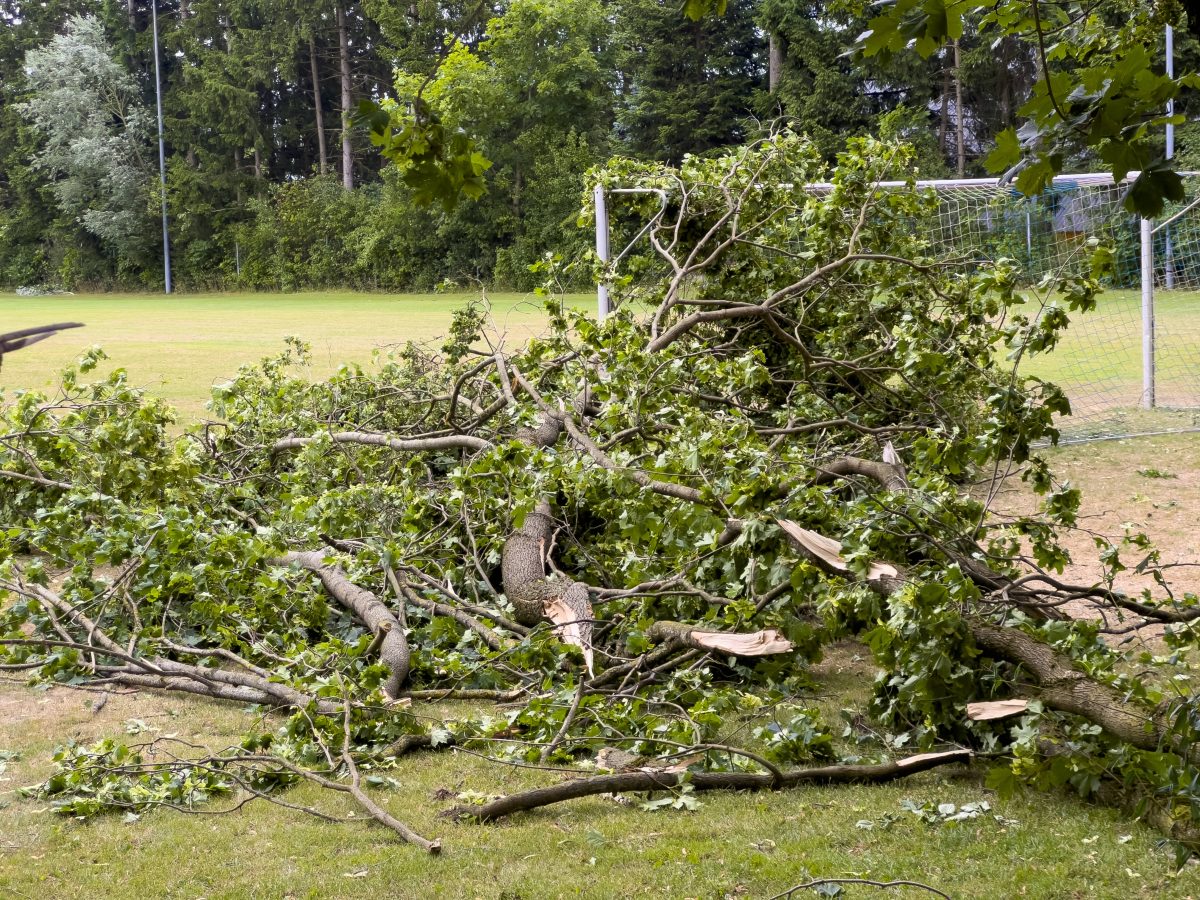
<point x="630" y="536"/>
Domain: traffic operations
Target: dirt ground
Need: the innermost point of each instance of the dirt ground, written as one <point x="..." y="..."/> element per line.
<point x="1149" y="485"/>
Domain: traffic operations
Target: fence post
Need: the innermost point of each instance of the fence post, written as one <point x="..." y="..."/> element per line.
<point x="1147" y="314"/>
<point x="602" y="305"/>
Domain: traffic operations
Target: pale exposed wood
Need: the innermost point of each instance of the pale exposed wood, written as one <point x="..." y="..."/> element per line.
<point x="995" y="709"/>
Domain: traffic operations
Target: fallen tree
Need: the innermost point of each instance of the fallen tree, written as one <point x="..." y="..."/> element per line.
<point x="632" y="532"/>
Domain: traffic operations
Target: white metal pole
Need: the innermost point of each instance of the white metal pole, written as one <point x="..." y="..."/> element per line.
<point x="602" y="305"/>
<point x="1171" y="102"/>
<point x="162" y="154"/>
<point x="1147" y="314"/>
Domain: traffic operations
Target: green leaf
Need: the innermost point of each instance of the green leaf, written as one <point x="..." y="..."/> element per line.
<point x="1005" y="154"/>
<point x="1152" y="188"/>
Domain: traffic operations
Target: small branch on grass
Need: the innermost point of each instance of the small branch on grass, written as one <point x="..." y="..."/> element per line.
<point x="705" y="781"/>
<point x="377" y="812"/>
<point x="818" y="882"/>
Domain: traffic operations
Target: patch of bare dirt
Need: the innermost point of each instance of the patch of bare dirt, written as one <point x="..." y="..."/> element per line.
<point x="1148" y="485"/>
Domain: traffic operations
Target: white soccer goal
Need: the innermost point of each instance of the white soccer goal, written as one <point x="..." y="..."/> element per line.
<point x="1132" y="366"/>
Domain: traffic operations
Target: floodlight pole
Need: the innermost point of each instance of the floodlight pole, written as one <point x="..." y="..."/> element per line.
<point x="602" y="251"/>
<point x="162" y="153"/>
<point x="1168" y="244"/>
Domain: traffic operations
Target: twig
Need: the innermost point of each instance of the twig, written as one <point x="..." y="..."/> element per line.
<point x="817" y="882"/>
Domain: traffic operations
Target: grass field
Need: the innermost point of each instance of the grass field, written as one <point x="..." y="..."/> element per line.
<point x="733" y="846"/>
<point x="179" y="346"/>
<point x="1099" y="364"/>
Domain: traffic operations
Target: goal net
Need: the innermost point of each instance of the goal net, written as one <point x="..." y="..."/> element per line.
<point x="1131" y="366"/>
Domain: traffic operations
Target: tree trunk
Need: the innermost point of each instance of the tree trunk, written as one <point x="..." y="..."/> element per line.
<point x="1006" y="85"/>
<point x="944" y="121"/>
<point x="344" y="64"/>
<point x="958" y="114"/>
<point x="322" y="154"/>
<point x="776" y="54"/>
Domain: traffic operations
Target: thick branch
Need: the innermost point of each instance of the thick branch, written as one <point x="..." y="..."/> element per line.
<point x="447" y="442"/>
<point x="757" y="643"/>
<point x="890" y="476"/>
<point x="706" y="781"/>
<point x="368" y="608"/>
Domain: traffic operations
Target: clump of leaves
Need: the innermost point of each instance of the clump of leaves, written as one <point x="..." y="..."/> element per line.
<point x="1151" y="472"/>
<point x="109" y="775"/>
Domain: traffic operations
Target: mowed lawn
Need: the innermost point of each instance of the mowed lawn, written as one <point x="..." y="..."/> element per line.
<point x="1099" y="361"/>
<point x="179" y="346"/>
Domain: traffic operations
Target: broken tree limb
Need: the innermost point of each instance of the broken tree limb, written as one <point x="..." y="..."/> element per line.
<point x="890" y="476"/>
<point x="446" y="442"/>
<point x="25" y="337"/>
<point x="381" y="634"/>
<point x="533" y="595"/>
<point x="826" y="554"/>
<point x="755" y="643"/>
<point x="705" y="781"/>
<point x="368" y="608"/>
<point x="1067" y="689"/>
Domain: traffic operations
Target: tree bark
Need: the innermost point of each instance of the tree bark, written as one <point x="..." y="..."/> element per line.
<point x="1066" y="689"/>
<point x="535" y="597"/>
<point x="776" y="55"/>
<point x="959" y="137"/>
<point x="347" y="98"/>
<point x="368" y="608"/>
<point x="322" y="153"/>
<point x="705" y="781"/>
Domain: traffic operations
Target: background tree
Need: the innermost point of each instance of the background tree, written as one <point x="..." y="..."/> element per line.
<point x="88" y="111"/>
<point x="686" y="87"/>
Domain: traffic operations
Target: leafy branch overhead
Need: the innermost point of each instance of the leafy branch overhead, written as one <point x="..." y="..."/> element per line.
<point x="1101" y="87"/>
<point x="620" y="545"/>
<point x="440" y="164"/>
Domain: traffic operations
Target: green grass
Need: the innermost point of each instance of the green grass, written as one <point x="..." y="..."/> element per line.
<point x="1099" y="362"/>
<point x="735" y="845"/>
<point x="179" y="346"/>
